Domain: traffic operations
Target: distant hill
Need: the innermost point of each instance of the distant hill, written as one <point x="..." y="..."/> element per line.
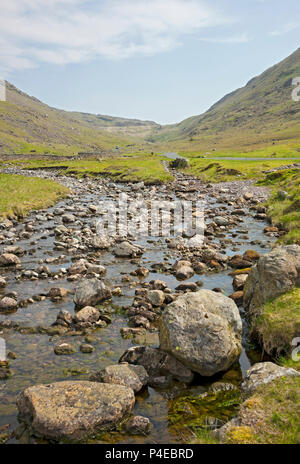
<point x="27" y="124"/>
<point x="258" y="113"/>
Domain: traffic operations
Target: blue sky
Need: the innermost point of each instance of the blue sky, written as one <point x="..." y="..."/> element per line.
<point x="162" y="60"/>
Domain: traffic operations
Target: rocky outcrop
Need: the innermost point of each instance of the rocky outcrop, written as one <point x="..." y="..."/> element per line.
<point x="276" y="273"/>
<point x="91" y="292"/>
<point x="262" y="373"/>
<point x="203" y="330"/>
<point x="74" y="410"/>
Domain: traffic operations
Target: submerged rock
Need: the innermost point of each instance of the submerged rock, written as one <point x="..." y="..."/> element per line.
<point x="203" y="330"/>
<point x="74" y="410"/>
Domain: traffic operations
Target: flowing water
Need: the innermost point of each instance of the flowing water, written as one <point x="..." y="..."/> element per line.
<point x="35" y="359"/>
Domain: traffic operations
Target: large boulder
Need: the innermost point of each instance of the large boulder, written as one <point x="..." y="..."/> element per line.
<point x="91" y="292"/>
<point x="262" y="373"/>
<point x="275" y="273"/>
<point x="203" y="330"/>
<point x="131" y="376"/>
<point x="74" y="410"/>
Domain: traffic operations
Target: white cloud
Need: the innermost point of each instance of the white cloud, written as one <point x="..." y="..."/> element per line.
<point x="285" y="29"/>
<point x="242" y="38"/>
<point x="72" y="31"/>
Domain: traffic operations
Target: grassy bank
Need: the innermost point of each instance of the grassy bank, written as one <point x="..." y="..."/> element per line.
<point x="284" y="205"/>
<point x="134" y="168"/>
<point x="19" y="195"/>
<point x="270" y="416"/>
<point x="279" y="323"/>
<point x="230" y="170"/>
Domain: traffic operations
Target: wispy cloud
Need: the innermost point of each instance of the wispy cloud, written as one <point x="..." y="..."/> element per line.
<point x="72" y="31"/>
<point x="285" y="29"/>
<point x="242" y="38"/>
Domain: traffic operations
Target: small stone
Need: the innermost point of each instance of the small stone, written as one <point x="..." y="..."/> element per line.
<point x="64" y="349"/>
<point x="9" y="259"/>
<point x="58" y="293"/>
<point x="86" y="348"/>
<point x="8" y="305"/>
<point x="138" y="425"/>
<point x="156" y="297"/>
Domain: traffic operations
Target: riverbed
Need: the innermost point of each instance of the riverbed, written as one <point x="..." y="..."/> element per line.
<point x="35" y="361"/>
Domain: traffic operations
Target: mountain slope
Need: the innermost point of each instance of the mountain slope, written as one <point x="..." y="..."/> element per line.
<point x="261" y="111"/>
<point x="28" y="124"/>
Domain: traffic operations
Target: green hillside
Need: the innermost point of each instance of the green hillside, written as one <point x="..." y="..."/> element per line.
<point x="27" y="124"/>
<point x="256" y="115"/>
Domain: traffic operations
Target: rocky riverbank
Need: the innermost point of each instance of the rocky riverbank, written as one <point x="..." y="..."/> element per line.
<point x="73" y="303"/>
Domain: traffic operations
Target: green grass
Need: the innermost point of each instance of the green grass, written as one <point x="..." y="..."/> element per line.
<point x="271" y="415"/>
<point x="279" y="323"/>
<point x="291" y="150"/>
<point x="19" y="195"/>
<point x="285" y="212"/>
<point x="230" y="170"/>
<point x="134" y="168"/>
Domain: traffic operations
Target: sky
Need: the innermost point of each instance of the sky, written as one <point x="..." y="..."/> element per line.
<point x="159" y="60"/>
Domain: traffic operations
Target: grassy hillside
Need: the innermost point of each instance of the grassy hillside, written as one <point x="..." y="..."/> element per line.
<point x="254" y="116"/>
<point x="27" y="124"/>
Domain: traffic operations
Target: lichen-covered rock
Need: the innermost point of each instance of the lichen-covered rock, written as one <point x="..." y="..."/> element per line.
<point x="203" y="330"/>
<point x="275" y="273"/>
<point x="265" y="372"/>
<point x="91" y="292"/>
<point x="74" y="410"/>
<point x="2" y="282"/>
<point x="129" y="375"/>
<point x="156" y="297"/>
